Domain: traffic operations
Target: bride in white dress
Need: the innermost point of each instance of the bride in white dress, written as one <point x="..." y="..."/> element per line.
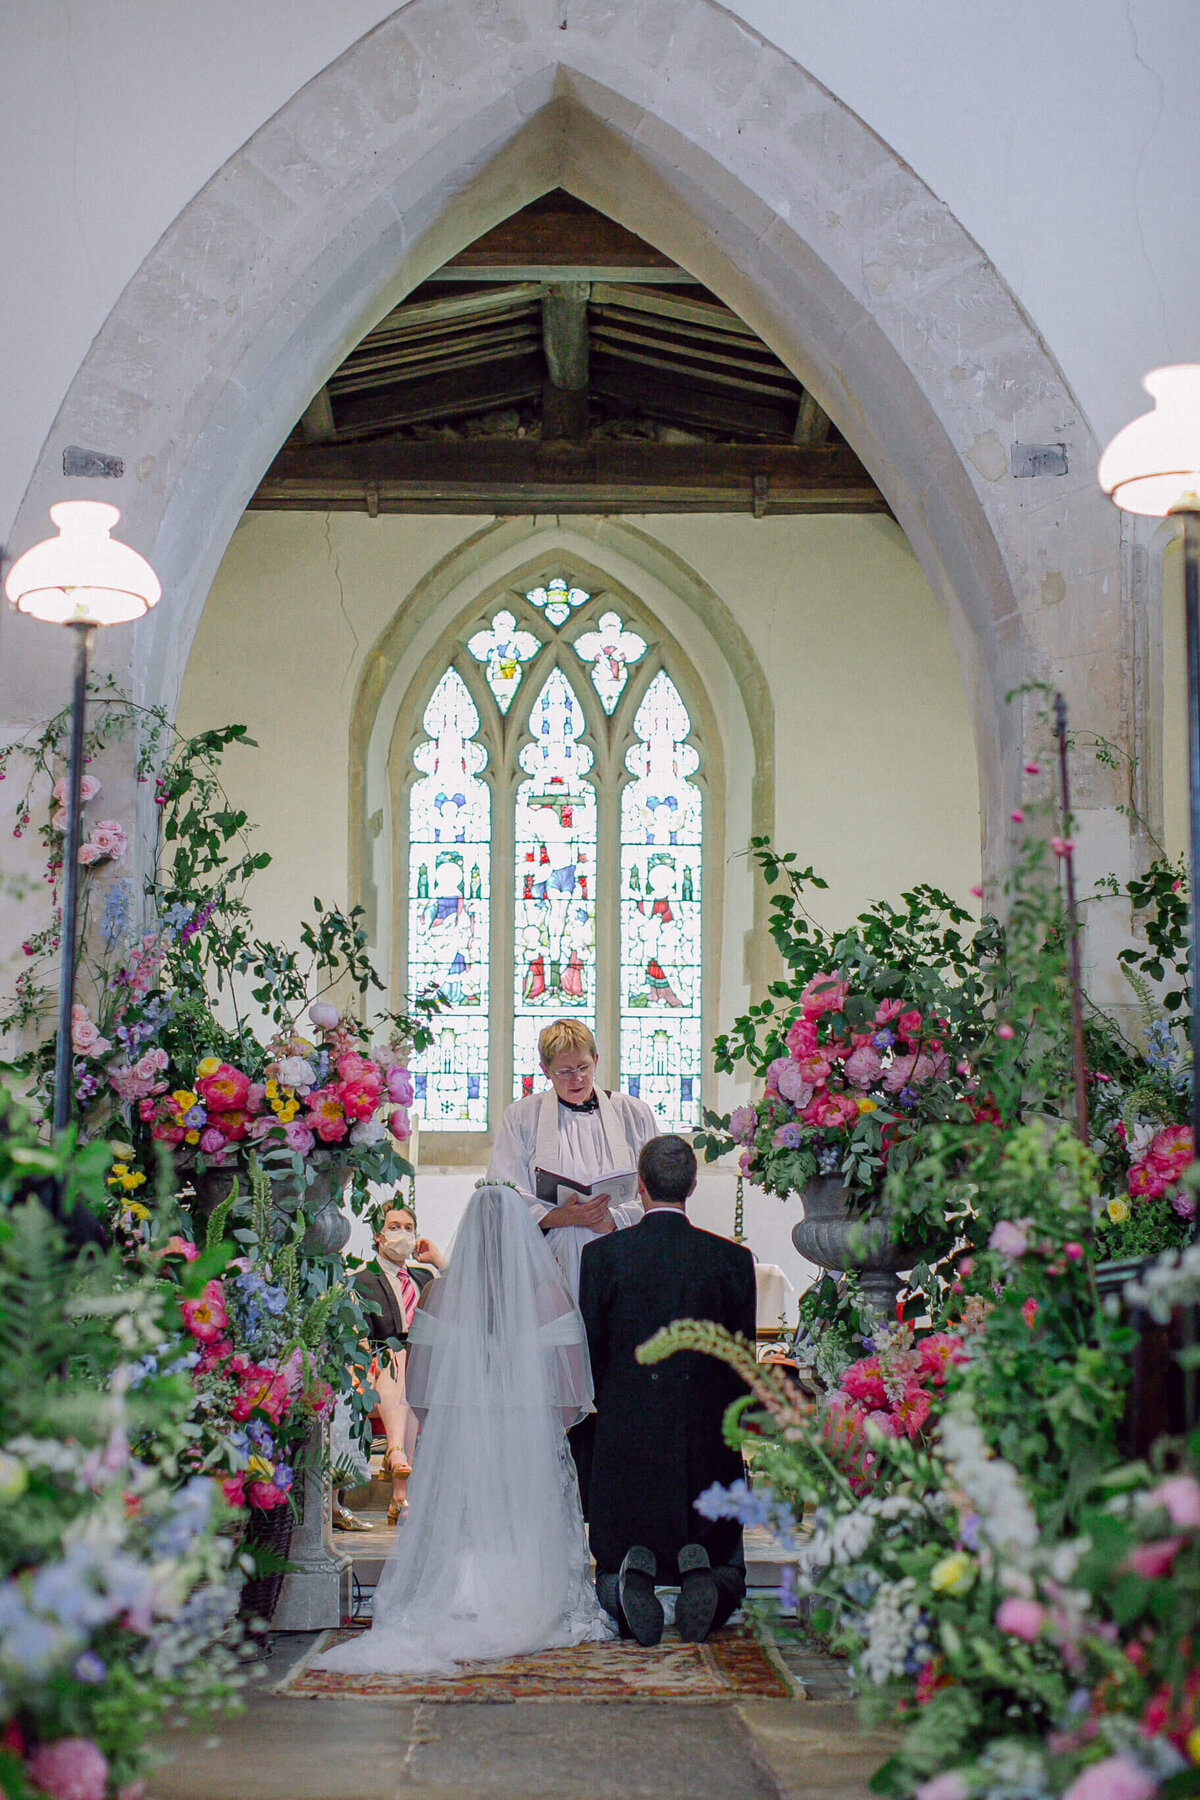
<point x="492" y="1560"/>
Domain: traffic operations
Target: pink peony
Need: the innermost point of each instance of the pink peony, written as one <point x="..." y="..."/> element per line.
<point x="838" y="1111"/>
<point x="887" y="1010"/>
<point x="261" y="1390"/>
<point x="234" y="1488"/>
<point x="908" y="1071"/>
<point x="774" y="1070"/>
<point x="323" y="1016"/>
<point x="909" y="1024"/>
<point x="1021" y="1618"/>
<point x="1116" y="1778"/>
<point x="180" y="1246"/>
<point x="264" y="1495"/>
<point x="299" y="1137"/>
<point x="938" y="1353"/>
<point x="85" y="1035"/>
<point x="813" y="1069"/>
<point x="745" y="1163"/>
<point x="824" y="993"/>
<point x="949" y="1785"/>
<point x="1180" y="1494"/>
<point x="1154" y="1560"/>
<point x="743" y="1123"/>
<point x="325" y="1115"/>
<point x="1009" y="1238"/>
<point x="912" y="1408"/>
<point x="863" y="1066"/>
<point x="206" y="1317"/>
<point x="399" y="1123"/>
<point x="1183" y="1203"/>
<point x="792" y="1085"/>
<point x="225" y="1089"/>
<point x="1171" y="1149"/>
<point x="399" y="1085"/>
<point x="1146" y="1182"/>
<point x="863" y="1381"/>
<point x="359" y="1098"/>
<point x="263" y="1127"/>
<point x="256" y="1094"/>
<point x="69" y="1769"/>
<point x="802" y="1038"/>
<point x="212" y="1141"/>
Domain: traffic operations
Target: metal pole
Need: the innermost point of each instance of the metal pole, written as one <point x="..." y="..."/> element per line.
<point x="1077" y="1050"/>
<point x="64" y="1056"/>
<point x="1191" y="594"/>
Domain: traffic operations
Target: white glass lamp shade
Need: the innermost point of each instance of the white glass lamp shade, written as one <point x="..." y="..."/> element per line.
<point x="81" y="577"/>
<point x="1154" y="463"/>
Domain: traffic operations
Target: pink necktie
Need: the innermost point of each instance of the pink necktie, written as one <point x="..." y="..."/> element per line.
<point x="409" y="1296"/>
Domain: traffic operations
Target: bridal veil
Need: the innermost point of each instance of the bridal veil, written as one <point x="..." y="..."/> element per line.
<point x="492" y="1559"/>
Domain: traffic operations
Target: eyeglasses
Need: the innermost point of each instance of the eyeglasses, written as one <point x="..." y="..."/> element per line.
<point x="574" y="1074"/>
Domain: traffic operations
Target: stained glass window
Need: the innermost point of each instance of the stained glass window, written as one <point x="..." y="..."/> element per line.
<point x="610" y="650"/>
<point x="503" y="647"/>
<point x="555" y="893"/>
<point x="661" y="844"/>
<point x="557" y="599"/>
<point x="449" y="887"/>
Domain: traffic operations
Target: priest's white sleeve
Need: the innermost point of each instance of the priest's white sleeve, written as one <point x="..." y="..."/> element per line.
<point x="511" y="1162"/>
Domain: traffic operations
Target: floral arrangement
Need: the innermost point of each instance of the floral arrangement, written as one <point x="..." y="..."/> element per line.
<point x="119" y="1577"/>
<point x="872" y="1037"/>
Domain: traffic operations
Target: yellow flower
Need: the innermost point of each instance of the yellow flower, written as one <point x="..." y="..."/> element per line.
<point x="272" y="1089"/>
<point x="131" y="1180"/>
<point x="1118" y="1211"/>
<point x="259" y="1467"/>
<point x="865" y="1105"/>
<point x="125" y="1151"/>
<point x="118" y="1169"/>
<point x="135" y="1210"/>
<point x="184" y="1099"/>
<point x="1193" y="1745"/>
<point x="953" y="1575"/>
<point x="191" y="1137"/>
<point x="209" y="1066"/>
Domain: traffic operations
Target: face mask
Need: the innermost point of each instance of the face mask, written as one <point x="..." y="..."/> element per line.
<point x="397" y="1244"/>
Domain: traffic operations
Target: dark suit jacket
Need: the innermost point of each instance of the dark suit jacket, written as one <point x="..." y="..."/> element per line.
<point x="659" y="1441"/>
<point x="388" y="1322"/>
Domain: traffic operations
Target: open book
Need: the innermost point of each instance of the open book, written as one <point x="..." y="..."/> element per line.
<point x="621" y="1186"/>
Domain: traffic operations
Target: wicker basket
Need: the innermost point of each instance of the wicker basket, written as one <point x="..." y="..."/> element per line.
<point x="269" y="1529"/>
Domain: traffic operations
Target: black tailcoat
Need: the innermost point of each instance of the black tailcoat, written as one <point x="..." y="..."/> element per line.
<point x="658" y="1426"/>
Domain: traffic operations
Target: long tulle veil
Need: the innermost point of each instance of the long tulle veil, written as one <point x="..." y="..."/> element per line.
<point x="492" y="1559"/>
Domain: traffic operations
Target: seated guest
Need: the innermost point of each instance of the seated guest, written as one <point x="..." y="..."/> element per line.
<point x="659" y="1441"/>
<point x="392" y="1286"/>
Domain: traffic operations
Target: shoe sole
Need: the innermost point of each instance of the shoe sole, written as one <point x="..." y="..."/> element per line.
<point x="696" y="1607"/>
<point x="644" y="1614"/>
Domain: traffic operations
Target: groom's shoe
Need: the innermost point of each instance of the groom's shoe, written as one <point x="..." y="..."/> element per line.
<point x="639" y="1603"/>
<point x="697" y="1604"/>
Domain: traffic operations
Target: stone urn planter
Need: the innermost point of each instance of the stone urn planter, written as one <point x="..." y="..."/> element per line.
<point x="838" y="1239"/>
<point x="328" y="1228"/>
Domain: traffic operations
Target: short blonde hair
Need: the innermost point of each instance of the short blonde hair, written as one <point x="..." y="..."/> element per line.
<point x="564" y="1035"/>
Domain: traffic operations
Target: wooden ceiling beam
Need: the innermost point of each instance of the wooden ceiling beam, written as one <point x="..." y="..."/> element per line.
<point x="510" y="476"/>
<point x="507" y="377"/>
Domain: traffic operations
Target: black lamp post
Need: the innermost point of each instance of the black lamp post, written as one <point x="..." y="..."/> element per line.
<point x="81" y="579"/>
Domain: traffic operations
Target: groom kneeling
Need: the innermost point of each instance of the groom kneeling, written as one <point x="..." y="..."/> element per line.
<point x="659" y="1441"/>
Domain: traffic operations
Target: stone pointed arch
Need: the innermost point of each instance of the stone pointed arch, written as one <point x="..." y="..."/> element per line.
<point x="689" y="128"/>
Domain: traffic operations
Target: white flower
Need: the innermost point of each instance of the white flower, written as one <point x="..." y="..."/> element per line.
<point x="297" y="1073"/>
<point x="1140" y="1139"/>
<point x="367" y="1131"/>
<point x="1174" y="1280"/>
<point x="891" y="1626"/>
<point x="991" y="1484"/>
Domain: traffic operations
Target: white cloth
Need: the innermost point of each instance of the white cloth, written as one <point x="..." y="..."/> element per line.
<point x="774" y="1292"/>
<point x="583" y="1151"/>
<point x="492" y="1560"/>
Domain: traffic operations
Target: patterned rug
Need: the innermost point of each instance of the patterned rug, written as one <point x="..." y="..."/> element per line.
<point x="732" y="1665"/>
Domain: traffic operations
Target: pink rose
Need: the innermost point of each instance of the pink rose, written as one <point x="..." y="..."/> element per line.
<point x="399" y="1085"/>
<point x="1180" y="1494"/>
<point x="802" y="1038"/>
<point x="89" y="787"/>
<point x="1009" y="1238"/>
<point x="1021" y="1618"/>
<point x="206" y="1318"/>
<point x="85" y="1034"/>
<point x="863" y="1066"/>
<point x="908" y="1024"/>
<point x="89" y="854"/>
<point x="263" y="1127"/>
<point x="150" y="1064"/>
<point x="264" y="1495"/>
<point x="299" y="1137"/>
<point x="234" y="1488"/>
<point x="212" y="1141"/>
<point x="774" y="1070"/>
<point x="256" y="1093"/>
<point x="1183" y="1203"/>
<point x="399" y="1123"/>
<point x="887" y="1010"/>
<point x="69" y="1769"/>
<point x="1154" y="1560"/>
<point x="1116" y="1778"/>
<point x="793" y="1087"/>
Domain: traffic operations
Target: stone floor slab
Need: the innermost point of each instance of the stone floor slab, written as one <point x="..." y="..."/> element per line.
<point x="281" y="1749"/>
<point x="815" y="1749"/>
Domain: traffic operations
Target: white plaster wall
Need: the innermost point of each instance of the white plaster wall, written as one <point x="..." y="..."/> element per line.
<point x="875" y="767"/>
<point x="1063" y="137"/>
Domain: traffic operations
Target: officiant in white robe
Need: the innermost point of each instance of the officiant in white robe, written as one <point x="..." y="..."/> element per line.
<point x="575" y="1131"/>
